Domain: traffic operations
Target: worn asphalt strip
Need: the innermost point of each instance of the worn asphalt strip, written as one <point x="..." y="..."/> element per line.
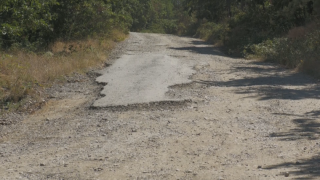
<point x="141" y="78"/>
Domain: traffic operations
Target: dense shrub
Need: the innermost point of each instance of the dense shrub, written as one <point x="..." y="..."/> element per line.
<point x="292" y="52"/>
<point x="34" y="24"/>
<point x="213" y="32"/>
<point x="286" y="32"/>
<point x="23" y="23"/>
<point x="250" y="22"/>
<point x="167" y="16"/>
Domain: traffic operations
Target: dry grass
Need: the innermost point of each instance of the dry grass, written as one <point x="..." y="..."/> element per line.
<point x="24" y="74"/>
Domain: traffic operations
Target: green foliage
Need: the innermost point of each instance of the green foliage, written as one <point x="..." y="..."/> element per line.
<point x="161" y="16"/>
<point x="250" y="22"/>
<point x="243" y="26"/>
<point x="252" y="27"/>
<point x="290" y="52"/>
<point x="286" y="31"/>
<point x="21" y="22"/>
<point x="80" y="18"/>
<point x="213" y="32"/>
<point x="210" y="10"/>
<point x="34" y="24"/>
<point x="139" y="11"/>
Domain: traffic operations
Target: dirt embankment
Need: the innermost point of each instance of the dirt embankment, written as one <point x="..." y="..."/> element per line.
<point x="243" y="120"/>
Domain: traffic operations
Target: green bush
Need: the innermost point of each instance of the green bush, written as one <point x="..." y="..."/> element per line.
<point x="213" y="32"/>
<point x="34" y="24"/>
<point x="24" y="23"/>
<point x="250" y="22"/>
<point x="291" y="52"/>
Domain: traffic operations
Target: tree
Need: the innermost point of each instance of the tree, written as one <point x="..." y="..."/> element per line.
<point x="25" y="21"/>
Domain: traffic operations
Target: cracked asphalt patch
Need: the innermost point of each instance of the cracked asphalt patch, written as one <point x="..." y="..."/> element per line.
<point x="142" y="78"/>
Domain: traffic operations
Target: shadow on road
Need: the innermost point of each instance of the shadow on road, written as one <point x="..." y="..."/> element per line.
<point x="314" y="113"/>
<point x="307" y="126"/>
<point x="202" y="47"/>
<point x="201" y="50"/>
<point x="271" y="82"/>
<point x="270" y="88"/>
<point x="200" y="42"/>
<point x="265" y="81"/>
<point x="308" y="168"/>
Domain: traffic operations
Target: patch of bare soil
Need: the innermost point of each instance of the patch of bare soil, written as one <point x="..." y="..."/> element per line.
<point x="245" y="120"/>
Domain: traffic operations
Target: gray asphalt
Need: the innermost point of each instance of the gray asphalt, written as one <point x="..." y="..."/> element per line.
<point x="143" y="73"/>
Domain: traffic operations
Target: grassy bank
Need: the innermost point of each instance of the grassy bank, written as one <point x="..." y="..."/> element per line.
<point x="25" y="74"/>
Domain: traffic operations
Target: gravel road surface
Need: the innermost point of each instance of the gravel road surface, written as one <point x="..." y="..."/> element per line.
<point x="195" y="114"/>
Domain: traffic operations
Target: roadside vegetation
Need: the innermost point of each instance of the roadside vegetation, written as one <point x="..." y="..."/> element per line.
<point x="42" y="41"/>
<point x="25" y="73"/>
<point x="285" y="32"/>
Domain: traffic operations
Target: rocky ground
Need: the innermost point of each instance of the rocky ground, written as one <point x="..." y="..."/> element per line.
<point x="239" y="120"/>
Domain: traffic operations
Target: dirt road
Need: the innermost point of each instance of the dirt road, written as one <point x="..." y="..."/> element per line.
<point x="242" y="120"/>
<point x="143" y="75"/>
